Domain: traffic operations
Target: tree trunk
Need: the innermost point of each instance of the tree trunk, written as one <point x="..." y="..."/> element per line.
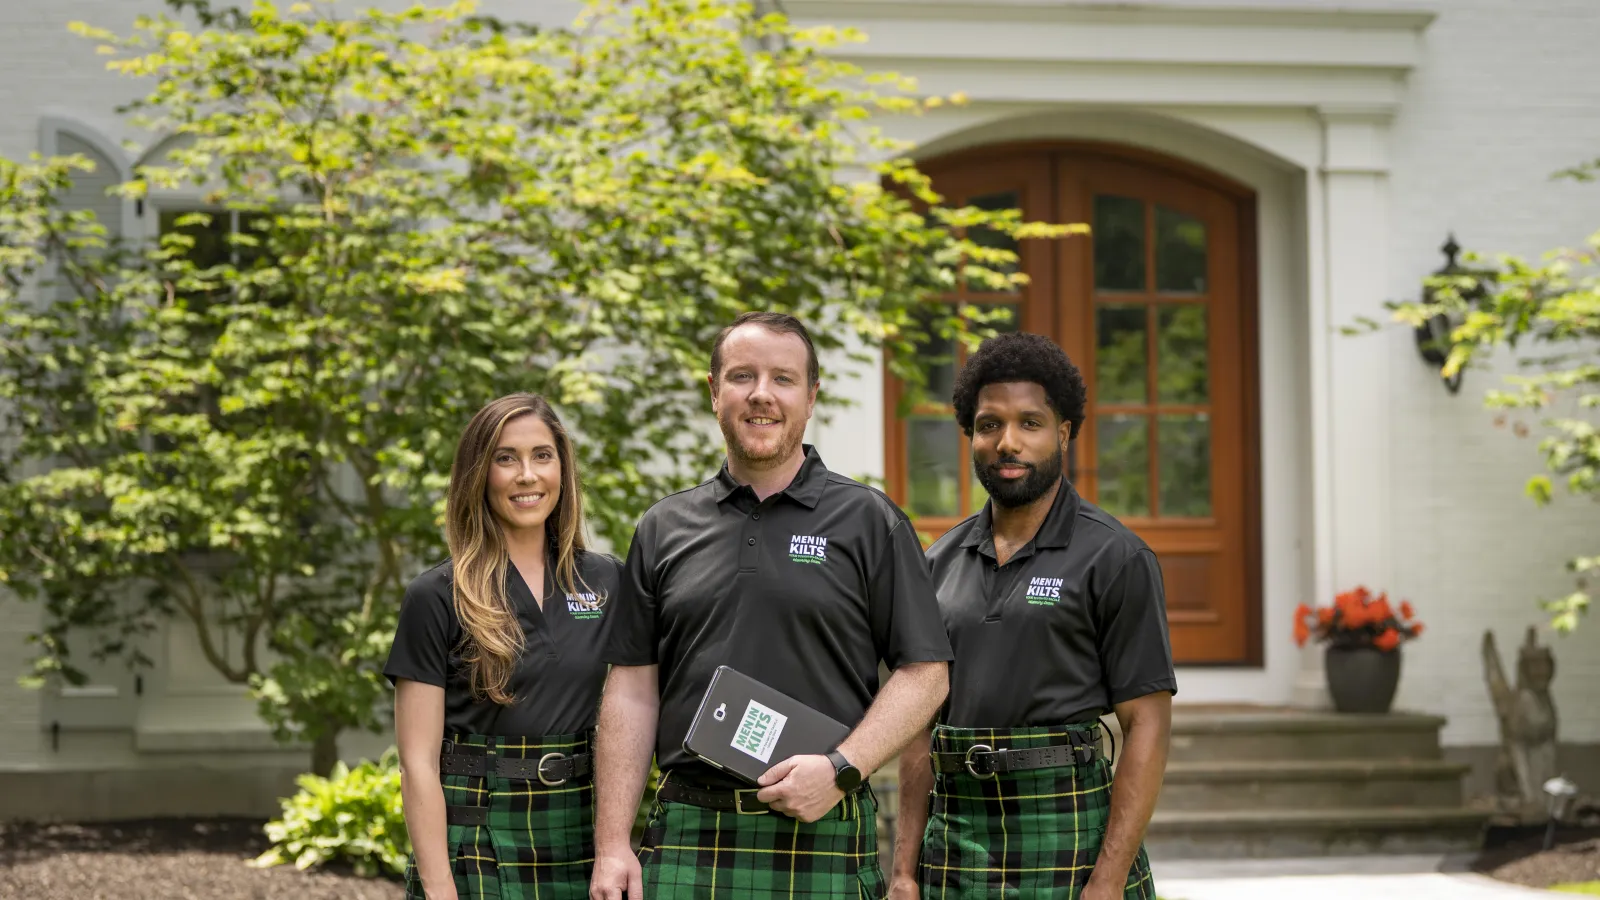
<point x="325" y="752"/>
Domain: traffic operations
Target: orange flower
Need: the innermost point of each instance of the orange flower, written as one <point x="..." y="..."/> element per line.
<point x="1379" y="611"/>
<point x="1387" y="641"/>
<point x="1302" y="631"/>
<point x="1405" y="609"/>
<point x="1416" y="628"/>
<point x="1355" y="616"/>
<point x="1325" y="616"/>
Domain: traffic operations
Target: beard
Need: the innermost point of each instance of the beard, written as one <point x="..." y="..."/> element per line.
<point x="787" y="444"/>
<point x="1022" y="491"/>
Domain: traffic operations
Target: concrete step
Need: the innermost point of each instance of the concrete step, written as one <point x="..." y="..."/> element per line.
<point x="1308" y="784"/>
<point x="1200" y="734"/>
<point x="1188" y="834"/>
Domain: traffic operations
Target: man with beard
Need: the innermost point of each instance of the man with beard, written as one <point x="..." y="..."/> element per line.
<point x="1056" y="614"/>
<point x="799" y="578"/>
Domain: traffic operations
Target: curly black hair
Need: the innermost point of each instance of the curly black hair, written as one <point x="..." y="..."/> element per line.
<point x="1021" y="357"/>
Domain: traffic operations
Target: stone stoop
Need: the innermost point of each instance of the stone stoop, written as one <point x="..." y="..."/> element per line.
<point x="1263" y="782"/>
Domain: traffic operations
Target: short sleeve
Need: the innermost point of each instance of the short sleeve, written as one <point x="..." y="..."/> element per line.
<point x="907" y="626"/>
<point x="632" y="641"/>
<point x="1135" y="649"/>
<point x="422" y="640"/>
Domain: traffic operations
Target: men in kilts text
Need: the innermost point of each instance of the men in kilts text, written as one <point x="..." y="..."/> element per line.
<point x="1056" y="613"/>
<point x="800" y="578"/>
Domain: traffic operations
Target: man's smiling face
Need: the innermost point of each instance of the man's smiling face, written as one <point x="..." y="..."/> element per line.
<point x="761" y="396"/>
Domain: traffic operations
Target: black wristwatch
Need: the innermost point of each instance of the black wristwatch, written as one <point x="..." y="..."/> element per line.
<point x="845" y="776"/>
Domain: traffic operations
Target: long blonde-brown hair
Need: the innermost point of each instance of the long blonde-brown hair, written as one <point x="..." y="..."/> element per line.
<point x="493" y="637"/>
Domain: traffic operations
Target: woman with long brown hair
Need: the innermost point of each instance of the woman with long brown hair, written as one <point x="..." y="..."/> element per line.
<point x="497" y="671"/>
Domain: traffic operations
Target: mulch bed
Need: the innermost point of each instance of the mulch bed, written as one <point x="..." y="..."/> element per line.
<point x="1516" y="853"/>
<point x="162" y="859"/>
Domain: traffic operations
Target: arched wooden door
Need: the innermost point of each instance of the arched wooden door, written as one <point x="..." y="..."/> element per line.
<point x="1157" y="308"/>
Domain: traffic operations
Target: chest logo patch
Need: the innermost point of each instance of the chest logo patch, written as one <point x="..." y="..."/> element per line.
<point x="584" y="606"/>
<point x="807" y="548"/>
<point x="1044" y="591"/>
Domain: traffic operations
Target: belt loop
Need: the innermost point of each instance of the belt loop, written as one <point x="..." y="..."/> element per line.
<point x="1082" y="748"/>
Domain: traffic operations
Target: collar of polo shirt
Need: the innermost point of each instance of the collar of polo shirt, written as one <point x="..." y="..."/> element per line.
<point x="1054" y="532"/>
<point x="805" y="489"/>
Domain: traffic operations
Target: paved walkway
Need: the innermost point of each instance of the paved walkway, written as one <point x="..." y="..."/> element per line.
<point x="1380" y="878"/>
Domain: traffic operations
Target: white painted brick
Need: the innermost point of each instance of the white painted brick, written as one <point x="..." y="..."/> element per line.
<point x="1504" y="97"/>
<point x="19" y="706"/>
<point x="1506" y="94"/>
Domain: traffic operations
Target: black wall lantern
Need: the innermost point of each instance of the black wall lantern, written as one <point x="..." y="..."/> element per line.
<point x="1433" y="336"/>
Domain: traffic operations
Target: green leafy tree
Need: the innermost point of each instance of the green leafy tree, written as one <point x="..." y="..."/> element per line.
<point x="250" y="428"/>
<point x="1546" y="315"/>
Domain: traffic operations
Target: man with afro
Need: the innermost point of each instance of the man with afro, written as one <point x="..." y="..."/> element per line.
<point x="1057" y="616"/>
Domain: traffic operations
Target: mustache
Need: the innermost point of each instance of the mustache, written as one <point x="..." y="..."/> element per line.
<point x="1010" y="461"/>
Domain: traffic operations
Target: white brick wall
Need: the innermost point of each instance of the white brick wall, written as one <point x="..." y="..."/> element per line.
<point x="19" y="706"/>
<point x="1506" y="94"/>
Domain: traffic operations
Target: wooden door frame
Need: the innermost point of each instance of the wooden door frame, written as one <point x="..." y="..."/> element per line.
<point x="1034" y="153"/>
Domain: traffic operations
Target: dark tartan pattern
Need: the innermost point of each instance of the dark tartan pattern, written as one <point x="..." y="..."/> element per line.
<point x="1023" y="836"/>
<point x="692" y="853"/>
<point x="539" y="841"/>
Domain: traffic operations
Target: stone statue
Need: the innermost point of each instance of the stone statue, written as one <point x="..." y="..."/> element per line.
<point x="1527" y="718"/>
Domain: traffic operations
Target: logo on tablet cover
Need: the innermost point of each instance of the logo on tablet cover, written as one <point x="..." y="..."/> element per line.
<point x="758" y="731"/>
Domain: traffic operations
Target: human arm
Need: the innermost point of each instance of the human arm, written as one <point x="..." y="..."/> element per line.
<point x="418" y="722"/>
<point x="1136" y="661"/>
<point x="803" y="786"/>
<point x="916" y="781"/>
<point x="1146" y="724"/>
<point x="626" y="729"/>
<point x="623" y="741"/>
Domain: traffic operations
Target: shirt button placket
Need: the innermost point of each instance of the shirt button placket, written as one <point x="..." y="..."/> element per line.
<point x="748" y="554"/>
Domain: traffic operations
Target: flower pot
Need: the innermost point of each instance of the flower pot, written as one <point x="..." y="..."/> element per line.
<point x="1362" y="679"/>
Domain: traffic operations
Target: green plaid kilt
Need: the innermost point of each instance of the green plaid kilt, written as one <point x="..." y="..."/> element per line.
<point x="692" y="853"/>
<point x="1022" y="836"/>
<point x="539" y="841"/>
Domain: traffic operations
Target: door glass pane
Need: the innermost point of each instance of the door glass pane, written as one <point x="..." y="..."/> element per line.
<point x="1181" y="375"/>
<point x="933" y="466"/>
<point x="988" y="237"/>
<point x="1121" y="367"/>
<point x="979" y="495"/>
<point x="1180" y="252"/>
<point x="1118" y="234"/>
<point x="936" y="356"/>
<point x="1123" y="464"/>
<point x="210" y="239"/>
<point x="1184" y="461"/>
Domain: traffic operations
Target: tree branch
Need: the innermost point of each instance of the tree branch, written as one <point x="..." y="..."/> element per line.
<point x="196" y="611"/>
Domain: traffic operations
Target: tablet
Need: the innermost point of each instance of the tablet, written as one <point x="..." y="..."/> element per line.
<point x="744" y="727"/>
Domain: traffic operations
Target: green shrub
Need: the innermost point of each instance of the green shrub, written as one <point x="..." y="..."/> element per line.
<point x="353" y="815"/>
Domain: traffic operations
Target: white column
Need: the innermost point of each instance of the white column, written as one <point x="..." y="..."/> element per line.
<point x="1348" y="232"/>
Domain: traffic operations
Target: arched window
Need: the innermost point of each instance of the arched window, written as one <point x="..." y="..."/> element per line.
<point x="108" y="699"/>
<point x="64" y="137"/>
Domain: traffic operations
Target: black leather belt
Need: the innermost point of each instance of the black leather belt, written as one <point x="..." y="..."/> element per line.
<point x="466" y="815"/>
<point x="983" y="761"/>
<point x="742" y="801"/>
<point x="551" y="769"/>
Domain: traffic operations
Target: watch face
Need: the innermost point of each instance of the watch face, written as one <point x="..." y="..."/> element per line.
<point x="848" y="778"/>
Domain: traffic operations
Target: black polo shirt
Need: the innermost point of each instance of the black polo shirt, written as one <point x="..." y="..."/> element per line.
<point x="557" y="681"/>
<point x="805" y="591"/>
<point x="1073" y="623"/>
